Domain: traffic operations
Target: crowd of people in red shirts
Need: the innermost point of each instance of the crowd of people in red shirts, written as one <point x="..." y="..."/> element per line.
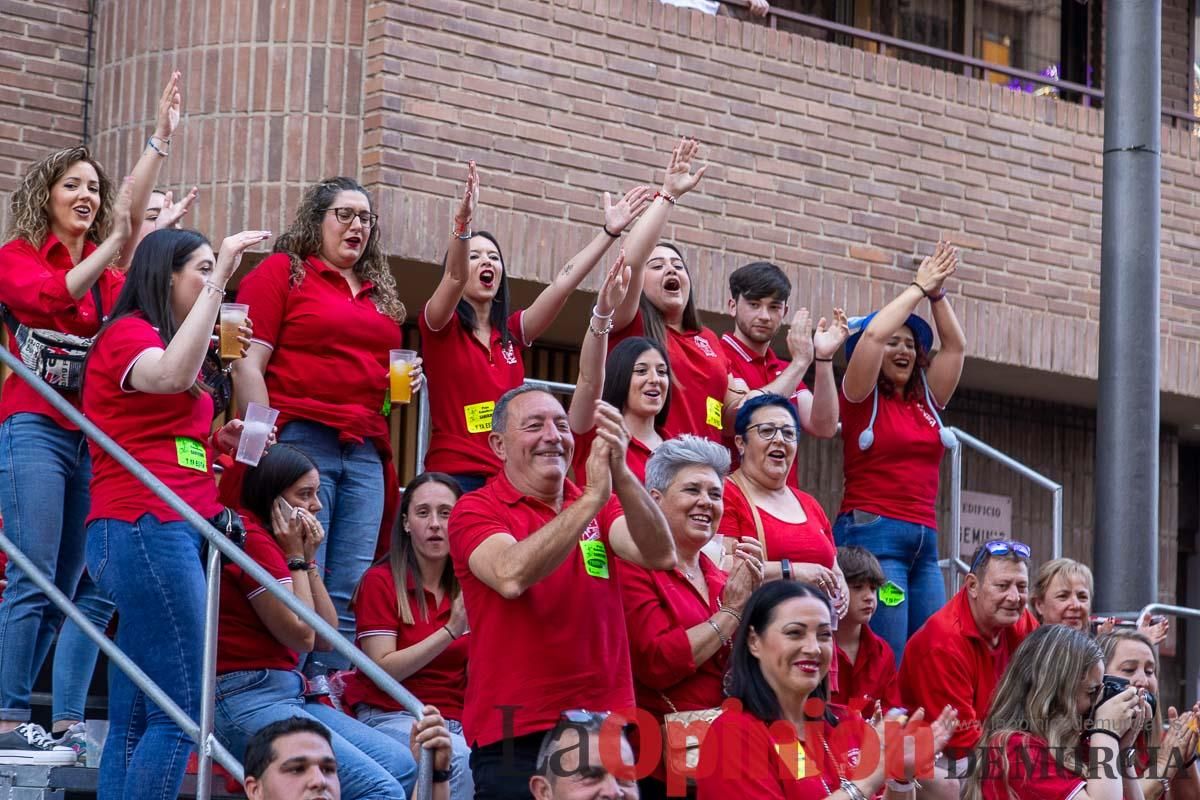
<point x="645" y="555"/>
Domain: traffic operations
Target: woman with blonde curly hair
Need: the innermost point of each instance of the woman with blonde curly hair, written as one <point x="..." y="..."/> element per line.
<point x="326" y="312"/>
<point x="70" y="233"/>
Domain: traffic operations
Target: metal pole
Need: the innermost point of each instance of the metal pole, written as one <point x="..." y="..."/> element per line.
<point x="208" y="681"/>
<point x="1127" y="421"/>
<point x="423" y="430"/>
<point x="1058" y="525"/>
<point x="955" y="514"/>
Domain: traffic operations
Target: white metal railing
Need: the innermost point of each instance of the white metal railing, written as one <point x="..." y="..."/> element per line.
<point x="201" y="733"/>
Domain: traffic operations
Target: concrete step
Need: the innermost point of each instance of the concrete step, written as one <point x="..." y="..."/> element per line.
<point x="68" y="783"/>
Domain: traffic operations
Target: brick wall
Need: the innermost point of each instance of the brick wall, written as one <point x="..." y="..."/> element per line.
<point x="43" y="70"/>
<point x="1176" y="55"/>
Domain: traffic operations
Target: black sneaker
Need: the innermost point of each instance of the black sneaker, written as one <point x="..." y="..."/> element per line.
<point x="30" y="744"/>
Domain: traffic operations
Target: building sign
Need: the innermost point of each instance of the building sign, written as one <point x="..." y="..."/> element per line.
<point x="984" y="517"/>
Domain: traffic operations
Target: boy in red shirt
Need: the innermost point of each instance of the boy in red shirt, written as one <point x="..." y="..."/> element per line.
<point x="866" y="664"/>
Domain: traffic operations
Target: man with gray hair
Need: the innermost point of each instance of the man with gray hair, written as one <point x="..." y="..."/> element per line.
<point x="536" y="557"/>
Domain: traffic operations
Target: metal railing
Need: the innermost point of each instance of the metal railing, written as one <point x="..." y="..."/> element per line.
<point x="967" y="62"/>
<point x="956" y="486"/>
<point x="201" y="733"/>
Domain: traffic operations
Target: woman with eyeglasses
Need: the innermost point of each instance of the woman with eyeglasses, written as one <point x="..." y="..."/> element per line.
<point x="893" y="442"/>
<point x="473" y="342"/>
<point x="326" y="314"/>
<point x="796" y="537"/>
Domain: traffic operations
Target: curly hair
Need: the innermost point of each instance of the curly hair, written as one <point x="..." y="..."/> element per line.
<point x="29" y="217"/>
<point x="303" y="239"/>
<point x="913" y="389"/>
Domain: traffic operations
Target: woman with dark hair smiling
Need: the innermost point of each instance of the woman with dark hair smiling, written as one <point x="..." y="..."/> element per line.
<point x="784" y="741"/>
<point x="141" y="387"/>
<point x="893" y="441"/>
<point x="412" y="623"/>
<point x="467" y="329"/>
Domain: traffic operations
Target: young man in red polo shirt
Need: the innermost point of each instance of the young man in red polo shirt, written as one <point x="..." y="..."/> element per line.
<point x="960" y="653"/>
<point x="537" y="560"/>
<point x="758" y="303"/>
<point x="866" y="664"/>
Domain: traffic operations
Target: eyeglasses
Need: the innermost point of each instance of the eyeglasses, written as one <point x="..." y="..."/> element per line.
<point x="767" y="431"/>
<point x="1001" y="547"/>
<point x="579" y="716"/>
<point x="346" y="216"/>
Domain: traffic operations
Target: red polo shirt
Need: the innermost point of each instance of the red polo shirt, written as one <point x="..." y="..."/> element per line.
<point x="329" y="347"/>
<point x="465" y="381"/>
<point x="561" y="644"/>
<point x="808" y="542"/>
<point x="948" y="662"/>
<point x="442" y="682"/>
<point x="757" y="371"/>
<point x="33" y="284"/>
<point x="243" y="639"/>
<point x="1033" y="772"/>
<point x="869" y="677"/>
<point x="636" y="456"/>
<point x="167" y="433"/>
<point x="897" y="476"/>
<point x="699" y="379"/>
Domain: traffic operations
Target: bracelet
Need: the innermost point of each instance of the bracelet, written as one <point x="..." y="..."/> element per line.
<point x="852" y="790"/>
<point x="166" y="142"/>
<point x="596" y="313"/>
<point x="939" y="297"/>
<point x="785" y="566"/>
<point x="729" y="610"/>
<point x="297" y="565"/>
<point x="441" y="775"/>
<point x="664" y="196"/>
<point x="461" y="233"/>
<point x="610" y="233"/>
<point x="919" y="286"/>
<point x="823" y="360"/>
<point x="1090" y="732"/>
<point x="607" y="329"/>
<point x="902" y="787"/>
<point x="720" y="636"/>
<point x="208" y="284"/>
<point x="450" y="633"/>
<point x="312" y="567"/>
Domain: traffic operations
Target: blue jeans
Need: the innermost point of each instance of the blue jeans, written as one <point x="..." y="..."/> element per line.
<point x="351" y="497"/>
<point x="152" y="571"/>
<point x="44" y="475"/>
<point x="470" y="481"/>
<point x="370" y="765"/>
<point x="399" y="725"/>
<point x="908" y="554"/>
<point x="75" y="654"/>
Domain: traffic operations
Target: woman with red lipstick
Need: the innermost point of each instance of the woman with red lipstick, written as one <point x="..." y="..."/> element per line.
<point x="70" y="236"/>
<point x="664" y="311"/>
<point x="412" y="623"/>
<point x="893" y="441"/>
<point x="326" y="312"/>
<point x="468" y="331"/>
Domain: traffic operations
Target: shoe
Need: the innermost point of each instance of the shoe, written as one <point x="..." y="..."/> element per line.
<point x="75" y="737"/>
<point x="30" y="744"/>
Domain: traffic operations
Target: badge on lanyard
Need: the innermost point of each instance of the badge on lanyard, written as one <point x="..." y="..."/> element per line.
<point x="191" y="454"/>
<point x="714" y="412"/>
<point x="595" y="558"/>
<point x="479" y="416"/>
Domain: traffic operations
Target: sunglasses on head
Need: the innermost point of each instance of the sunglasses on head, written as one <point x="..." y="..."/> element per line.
<point x="1001" y="547"/>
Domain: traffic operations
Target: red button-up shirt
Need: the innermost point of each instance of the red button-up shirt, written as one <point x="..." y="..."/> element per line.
<point x="869" y="677"/>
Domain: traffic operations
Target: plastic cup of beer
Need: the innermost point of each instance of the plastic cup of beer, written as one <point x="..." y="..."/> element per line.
<point x="401" y="362"/>
<point x="233" y="316"/>
<point x="257" y="424"/>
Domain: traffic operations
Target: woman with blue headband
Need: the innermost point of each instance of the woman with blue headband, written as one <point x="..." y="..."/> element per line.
<point x="893" y="441"/>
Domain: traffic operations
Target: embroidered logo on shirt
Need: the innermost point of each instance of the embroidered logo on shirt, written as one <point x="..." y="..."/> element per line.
<point x="510" y="357"/>
<point x="591" y="533"/>
<point x="925" y="413"/>
<point x="704" y="346"/>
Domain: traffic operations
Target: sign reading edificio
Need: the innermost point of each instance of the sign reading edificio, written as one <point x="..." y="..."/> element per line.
<point x="984" y="517"/>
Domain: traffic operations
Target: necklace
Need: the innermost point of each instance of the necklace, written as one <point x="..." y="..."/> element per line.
<point x="851" y="789"/>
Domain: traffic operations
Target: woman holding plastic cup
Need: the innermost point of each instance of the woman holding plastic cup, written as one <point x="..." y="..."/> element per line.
<point x="141" y="387"/>
<point x="327" y="314"/>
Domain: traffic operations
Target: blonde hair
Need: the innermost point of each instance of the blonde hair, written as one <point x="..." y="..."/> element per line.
<point x="29" y="206"/>
<point x="1108" y="644"/>
<point x="1037" y="696"/>
<point x="1049" y="571"/>
<point x="303" y="239"/>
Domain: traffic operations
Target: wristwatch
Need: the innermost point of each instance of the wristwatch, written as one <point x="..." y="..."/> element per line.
<point x="442" y="775"/>
<point x="785" y="566"/>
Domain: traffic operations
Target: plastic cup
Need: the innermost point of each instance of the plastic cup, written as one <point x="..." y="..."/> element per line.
<point x="95" y="731"/>
<point x="400" y="371"/>
<point x="233" y="316"/>
<point x="258" y="424"/>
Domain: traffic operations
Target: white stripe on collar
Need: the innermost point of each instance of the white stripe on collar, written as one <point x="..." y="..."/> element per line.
<point x="736" y="345"/>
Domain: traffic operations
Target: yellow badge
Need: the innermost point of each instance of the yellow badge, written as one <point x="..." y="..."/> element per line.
<point x="595" y="558"/>
<point x="714" y="412"/>
<point x="191" y="454"/>
<point x="479" y="416"/>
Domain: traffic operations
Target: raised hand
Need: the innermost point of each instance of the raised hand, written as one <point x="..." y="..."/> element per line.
<point x="935" y="269"/>
<point x="679" y="179"/>
<point x="288" y="529"/>
<point x="610" y="426"/>
<point x="172" y="213"/>
<point x="122" y="224"/>
<point x="470" y="199"/>
<point x="1156" y="632"/>
<point x="799" y="337"/>
<point x="599" y="474"/>
<point x="759" y="8"/>
<point x="619" y="215"/>
<point x="231" y="251"/>
<point x="829" y="337"/>
<point x="169" y="104"/>
<point x="614" y="288"/>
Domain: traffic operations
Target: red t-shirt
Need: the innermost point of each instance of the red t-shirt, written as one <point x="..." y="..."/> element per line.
<point x="699" y="379"/>
<point x="465" y="381"/>
<point x="442" y="682"/>
<point x="948" y="662"/>
<point x="808" y="542"/>
<point x="33" y="284"/>
<point x="742" y="757"/>
<point x="562" y="643"/>
<point x="757" y="371"/>
<point x="167" y="433"/>
<point x="1033" y="772"/>
<point x="636" y="456"/>
<point x="870" y="677"/>
<point x="329" y="348"/>
<point x="897" y="476"/>
<point x="243" y="639"/>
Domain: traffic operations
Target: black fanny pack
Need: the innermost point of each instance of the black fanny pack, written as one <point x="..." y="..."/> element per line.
<point x="228" y="522"/>
<point x="55" y="357"/>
